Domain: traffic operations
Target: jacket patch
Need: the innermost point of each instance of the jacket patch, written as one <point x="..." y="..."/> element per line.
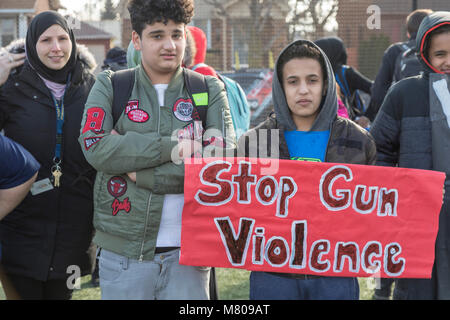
<point x="214" y="141"/>
<point x="94" y="120"/>
<point x="192" y="131"/>
<point x="117" y="206"/>
<point x="117" y="186"/>
<point x="183" y="110"/>
<point x="89" y="142"/>
<point x="134" y="113"/>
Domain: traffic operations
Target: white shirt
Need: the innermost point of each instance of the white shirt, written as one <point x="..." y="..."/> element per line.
<point x="169" y="234"/>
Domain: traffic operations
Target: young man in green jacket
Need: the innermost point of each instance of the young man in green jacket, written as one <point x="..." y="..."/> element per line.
<point x="138" y="192"/>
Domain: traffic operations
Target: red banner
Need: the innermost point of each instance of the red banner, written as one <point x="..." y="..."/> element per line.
<point x="311" y="218"/>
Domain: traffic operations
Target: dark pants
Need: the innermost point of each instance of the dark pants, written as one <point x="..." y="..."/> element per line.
<point x="31" y="289"/>
<point x="438" y="287"/>
<point x="385" y="289"/>
<point x="267" y="286"/>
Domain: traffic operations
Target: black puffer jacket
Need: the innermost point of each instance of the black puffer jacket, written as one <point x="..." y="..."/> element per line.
<point x="385" y="76"/>
<point x="403" y="134"/>
<point x="48" y="232"/>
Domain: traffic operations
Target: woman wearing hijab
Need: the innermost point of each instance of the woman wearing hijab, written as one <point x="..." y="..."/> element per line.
<point x="46" y="238"/>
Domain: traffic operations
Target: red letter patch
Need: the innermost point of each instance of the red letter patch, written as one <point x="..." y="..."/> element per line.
<point x="94" y="120"/>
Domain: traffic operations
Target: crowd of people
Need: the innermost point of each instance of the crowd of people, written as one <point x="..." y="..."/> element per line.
<point x="71" y="164"/>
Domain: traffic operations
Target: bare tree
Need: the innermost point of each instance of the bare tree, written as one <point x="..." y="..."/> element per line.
<point x="109" y="11"/>
<point x="309" y="17"/>
<point x="256" y="25"/>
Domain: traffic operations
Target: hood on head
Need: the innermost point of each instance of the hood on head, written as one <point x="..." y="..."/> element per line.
<point x="200" y="44"/>
<point x="329" y="103"/>
<point x="191" y="50"/>
<point x="430" y="23"/>
<point x="86" y="57"/>
<point x="334" y="49"/>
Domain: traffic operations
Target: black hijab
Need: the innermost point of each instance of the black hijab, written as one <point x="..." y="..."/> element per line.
<point x="37" y="27"/>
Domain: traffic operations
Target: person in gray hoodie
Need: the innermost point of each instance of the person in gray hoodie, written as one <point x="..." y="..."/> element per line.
<point x="308" y="128"/>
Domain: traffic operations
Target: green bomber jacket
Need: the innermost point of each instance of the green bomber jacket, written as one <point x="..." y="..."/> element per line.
<point x="127" y="214"/>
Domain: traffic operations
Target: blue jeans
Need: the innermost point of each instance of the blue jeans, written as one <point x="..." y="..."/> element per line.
<point x="267" y="286"/>
<point x="163" y="278"/>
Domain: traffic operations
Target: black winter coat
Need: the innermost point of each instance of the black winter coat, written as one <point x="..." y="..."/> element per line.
<point x="51" y="231"/>
<point x="385" y="76"/>
<point x="403" y="133"/>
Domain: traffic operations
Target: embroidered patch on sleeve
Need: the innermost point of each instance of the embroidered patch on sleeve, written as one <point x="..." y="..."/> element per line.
<point x="94" y="120"/>
<point x="89" y="142"/>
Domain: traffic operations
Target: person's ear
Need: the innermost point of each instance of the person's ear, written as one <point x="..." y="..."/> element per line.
<point x="136" y="40"/>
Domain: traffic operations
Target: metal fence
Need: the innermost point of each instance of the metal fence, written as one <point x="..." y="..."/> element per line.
<point x="245" y="37"/>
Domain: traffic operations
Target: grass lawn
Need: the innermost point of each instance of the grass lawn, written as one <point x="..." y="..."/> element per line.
<point x="233" y="285"/>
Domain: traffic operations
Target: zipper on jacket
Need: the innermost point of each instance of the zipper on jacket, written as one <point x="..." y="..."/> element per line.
<point x="141" y="256"/>
<point x="328" y="143"/>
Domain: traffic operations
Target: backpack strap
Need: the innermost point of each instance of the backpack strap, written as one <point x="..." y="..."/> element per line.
<point x="197" y="89"/>
<point x="122" y="84"/>
<point x="343" y="82"/>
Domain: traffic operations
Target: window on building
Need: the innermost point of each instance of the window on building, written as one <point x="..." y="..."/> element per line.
<point x="8" y="31"/>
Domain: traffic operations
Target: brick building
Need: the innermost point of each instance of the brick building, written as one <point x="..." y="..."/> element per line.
<point x="352" y="19"/>
<point x="16" y="14"/>
<point x="98" y="41"/>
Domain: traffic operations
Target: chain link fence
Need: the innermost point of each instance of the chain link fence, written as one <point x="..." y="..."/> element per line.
<point x="245" y="37"/>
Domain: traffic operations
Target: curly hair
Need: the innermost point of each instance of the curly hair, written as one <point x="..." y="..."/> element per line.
<point x="143" y="12"/>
